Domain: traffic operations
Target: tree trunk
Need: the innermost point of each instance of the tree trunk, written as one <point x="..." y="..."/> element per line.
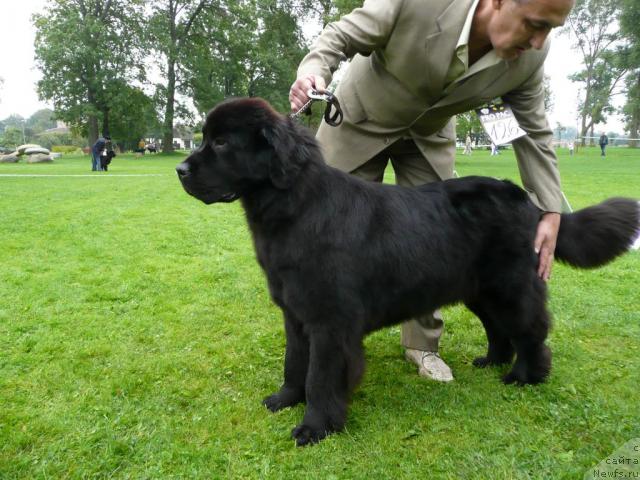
<point x="105" y="123"/>
<point x="634" y="122"/>
<point x="167" y="129"/>
<point x="92" y="124"/>
<point x="93" y="129"/>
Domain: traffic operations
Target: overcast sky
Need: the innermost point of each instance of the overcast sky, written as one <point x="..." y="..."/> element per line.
<point x="18" y="93"/>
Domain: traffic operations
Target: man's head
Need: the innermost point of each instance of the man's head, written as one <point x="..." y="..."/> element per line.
<point x="517" y="25"/>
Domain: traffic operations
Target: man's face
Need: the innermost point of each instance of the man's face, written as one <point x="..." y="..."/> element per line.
<point x="515" y="27"/>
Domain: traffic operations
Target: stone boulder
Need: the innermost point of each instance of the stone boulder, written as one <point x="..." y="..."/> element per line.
<point x="10" y="158"/>
<point x="39" y="158"/>
<point x="32" y="150"/>
<point x="22" y="148"/>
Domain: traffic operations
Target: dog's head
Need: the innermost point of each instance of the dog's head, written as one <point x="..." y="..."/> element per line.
<point x="246" y="144"/>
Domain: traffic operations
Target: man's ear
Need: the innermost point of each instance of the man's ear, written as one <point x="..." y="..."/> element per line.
<point x="283" y="165"/>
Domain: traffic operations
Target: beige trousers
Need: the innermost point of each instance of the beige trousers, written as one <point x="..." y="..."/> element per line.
<point x="411" y="169"/>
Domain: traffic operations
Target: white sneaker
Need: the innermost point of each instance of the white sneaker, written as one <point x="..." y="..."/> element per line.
<point x="430" y="365"/>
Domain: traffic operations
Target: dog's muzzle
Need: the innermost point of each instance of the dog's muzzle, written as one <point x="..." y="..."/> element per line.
<point x="207" y="197"/>
<point x="183" y="170"/>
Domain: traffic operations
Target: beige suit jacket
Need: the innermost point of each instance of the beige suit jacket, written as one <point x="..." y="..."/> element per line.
<point x="394" y="87"/>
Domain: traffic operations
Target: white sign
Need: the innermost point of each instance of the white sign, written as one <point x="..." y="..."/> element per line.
<point x="500" y="123"/>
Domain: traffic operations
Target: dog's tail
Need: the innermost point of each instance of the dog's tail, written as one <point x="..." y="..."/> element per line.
<point x="596" y="235"/>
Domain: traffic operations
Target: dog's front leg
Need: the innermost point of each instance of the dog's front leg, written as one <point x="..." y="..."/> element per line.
<point x="327" y="387"/>
<point x="296" y="362"/>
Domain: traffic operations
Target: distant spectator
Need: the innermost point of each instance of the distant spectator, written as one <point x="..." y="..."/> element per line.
<point x="494" y="149"/>
<point x="467" y="145"/>
<point x="604" y="141"/>
<point x="571" y="148"/>
<point x="152" y="148"/>
<point x="96" y="152"/>
<point x="141" y="147"/>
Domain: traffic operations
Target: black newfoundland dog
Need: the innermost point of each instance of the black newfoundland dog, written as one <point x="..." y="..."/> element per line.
<point x="344" y="257"/>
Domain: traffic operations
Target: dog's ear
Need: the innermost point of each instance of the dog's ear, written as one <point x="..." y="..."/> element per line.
<point x="284" y="164"/>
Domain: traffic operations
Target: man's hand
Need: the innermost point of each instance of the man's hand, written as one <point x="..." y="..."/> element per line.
<point x="298" y="93"/>
<point x="545" y="243"/>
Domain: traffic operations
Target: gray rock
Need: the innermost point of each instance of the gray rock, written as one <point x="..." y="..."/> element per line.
<point x="11" y="158"/>
<point x="22" y="148"/>
<point x="39" y="158"/>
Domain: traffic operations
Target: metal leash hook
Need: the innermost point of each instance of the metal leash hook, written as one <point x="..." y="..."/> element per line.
<point x="333" y="119"/>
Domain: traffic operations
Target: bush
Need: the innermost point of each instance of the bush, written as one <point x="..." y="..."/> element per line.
<point x="47" y="140"/>
<point x="64" y="148"/>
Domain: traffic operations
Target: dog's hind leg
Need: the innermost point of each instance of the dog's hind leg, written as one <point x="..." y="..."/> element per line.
<point x="296" y="364"/>
<point x="529" y="327"/>
<point x="533" y="357"/>
<point x="515" y="318"/>
<point x="335" y="365"/>
<point x="500" y="350"/>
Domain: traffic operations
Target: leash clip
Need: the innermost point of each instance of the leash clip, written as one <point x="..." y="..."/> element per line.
<point x="313" y="94"/>
<point x="332" y="113"/>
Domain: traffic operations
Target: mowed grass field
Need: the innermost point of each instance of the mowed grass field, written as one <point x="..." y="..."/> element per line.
<point x="137" y="340"/>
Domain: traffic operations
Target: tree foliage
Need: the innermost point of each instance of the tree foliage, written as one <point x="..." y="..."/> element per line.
<point x="630" y="29"/>
<point x="468" y="123"/>
<point x="86" y="50"/>
<point x="244" y="49"/>
<point x="325" y="11"/>
<point x="168" y="33"/>
<point x="12" y="137"/>
<point x="41" y="120"/>
<point x="591" y="23"/>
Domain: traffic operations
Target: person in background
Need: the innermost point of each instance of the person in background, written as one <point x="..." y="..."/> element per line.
<point x="604" y="141"/>
<point x="467" y="145"/>
<point x="141" y="146"/>
<point x="96" y="153"/>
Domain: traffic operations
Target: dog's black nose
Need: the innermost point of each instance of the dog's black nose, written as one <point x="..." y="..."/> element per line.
<point x="182" y="169"/>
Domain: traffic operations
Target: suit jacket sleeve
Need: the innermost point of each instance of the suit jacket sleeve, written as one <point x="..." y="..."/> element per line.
<point x="362" y="31"/>
<point x="537" y="160"/>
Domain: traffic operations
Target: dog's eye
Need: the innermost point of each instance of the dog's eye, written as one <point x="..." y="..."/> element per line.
<point x="219" y="141"/>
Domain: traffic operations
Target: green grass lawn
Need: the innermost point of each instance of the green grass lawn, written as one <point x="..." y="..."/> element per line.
<point x="137" y="339"/>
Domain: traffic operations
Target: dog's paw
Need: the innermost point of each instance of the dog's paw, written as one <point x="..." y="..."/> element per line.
<point x="286" y="397"/>
<point x="522" y="378"/>
<point x="307" y="435"/>
<point x="514" y="377"/>
<point x="481" y="362"/>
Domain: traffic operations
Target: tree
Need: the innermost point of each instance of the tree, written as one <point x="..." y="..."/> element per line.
<point x="630" y="29"/>
<point x="549" y="97"/>
<point x="591" y="24"/>
<point x="168" y="33"/>
<point x="15" y="123"/>
<point x="469" y="124"/>
<point x="41" y="120"/>
<point x="86" y="49"/>
<point x="244" y="49"/>
<point x="326" y="10"/>
<point x="133" y="117"/>
<point x="12" y="137"/>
